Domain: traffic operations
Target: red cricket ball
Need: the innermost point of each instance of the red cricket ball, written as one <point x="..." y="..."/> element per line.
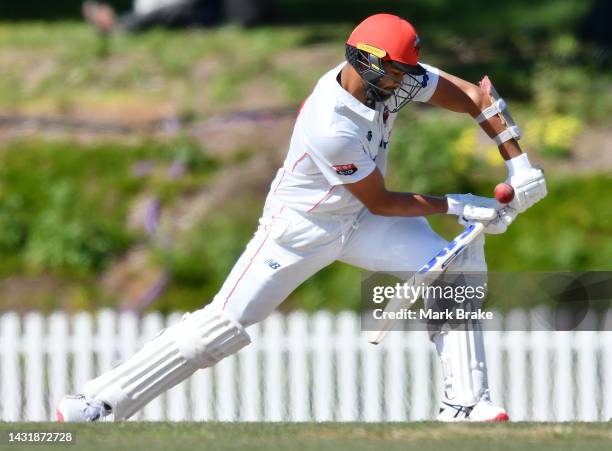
<point x="504" y="193"/>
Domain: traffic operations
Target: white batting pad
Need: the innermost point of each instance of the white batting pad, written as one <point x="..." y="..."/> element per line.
<point x="464" y="367"/>
<point x="199" y="340"/>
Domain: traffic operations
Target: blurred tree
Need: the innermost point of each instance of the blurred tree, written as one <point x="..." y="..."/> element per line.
<point x="58" y="9"/>
<point x="244" y="12"/>
<point x="596" y="28"/>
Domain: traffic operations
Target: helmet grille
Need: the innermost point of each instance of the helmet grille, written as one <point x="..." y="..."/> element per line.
<point x="410" y="85"/>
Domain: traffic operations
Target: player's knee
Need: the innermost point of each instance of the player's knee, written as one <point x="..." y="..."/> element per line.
<point x="206" y="336"/>
<point x="395" y="247"/>
<point x="244" y="314"/>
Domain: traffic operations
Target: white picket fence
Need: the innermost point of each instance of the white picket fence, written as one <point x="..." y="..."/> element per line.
<point x="303" y="368"/>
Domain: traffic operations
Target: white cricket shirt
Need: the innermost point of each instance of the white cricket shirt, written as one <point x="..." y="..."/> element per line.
<point x="336" y="140"/>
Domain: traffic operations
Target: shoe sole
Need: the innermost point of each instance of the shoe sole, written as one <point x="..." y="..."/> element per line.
<point x="500" y="418"/>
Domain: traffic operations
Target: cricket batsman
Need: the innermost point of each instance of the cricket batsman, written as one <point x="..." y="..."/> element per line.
<point x="329" y="202"/>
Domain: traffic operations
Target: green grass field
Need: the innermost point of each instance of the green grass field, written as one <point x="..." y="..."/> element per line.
<point x="325" y="436"/>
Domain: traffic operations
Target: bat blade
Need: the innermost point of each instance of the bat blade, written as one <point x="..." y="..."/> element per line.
<point x="427" y="273"/>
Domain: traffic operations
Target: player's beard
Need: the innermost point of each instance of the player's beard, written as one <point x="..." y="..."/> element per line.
<point x="375" y="95"/>
<point x="385" y="95"/>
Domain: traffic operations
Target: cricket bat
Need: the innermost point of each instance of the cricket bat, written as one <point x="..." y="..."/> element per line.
<point x="427" y="274"/>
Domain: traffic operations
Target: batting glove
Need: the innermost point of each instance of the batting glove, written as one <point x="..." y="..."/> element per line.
<point x="528" y="183"/>
<point x="495" y="216"/>
<point x="505" y="217"/>
<point x="475" y="208"/>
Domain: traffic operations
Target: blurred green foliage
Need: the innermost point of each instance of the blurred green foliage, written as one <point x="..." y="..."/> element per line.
<point x="428" y="155"/>
<point x="57" y="69"/>
<point x="63" y="207"/>
<point x="535" y="54"/>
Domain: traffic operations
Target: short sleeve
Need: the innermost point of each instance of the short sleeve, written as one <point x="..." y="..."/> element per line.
<point x="430" y="82"/>
<point x="341" y="159"/>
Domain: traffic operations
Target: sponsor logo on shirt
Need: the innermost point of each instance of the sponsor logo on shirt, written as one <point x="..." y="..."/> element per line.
<point x="345" y="169"/>
<point x="369" y="135"/>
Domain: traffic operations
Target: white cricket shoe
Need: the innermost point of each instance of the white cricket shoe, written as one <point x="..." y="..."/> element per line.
<point x="483" y="411"/>
<point x="79" y="409"/>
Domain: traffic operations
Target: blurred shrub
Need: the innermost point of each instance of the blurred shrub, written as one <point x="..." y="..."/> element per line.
<point x="64" y="236"/>
<point x="200" y="259"/>
<point x="13" y="229"/>
<point x="553" y="135"/>
<point x="64" y="208"/>
<point x="432" y="153"/>
<point x="567" y="81"/>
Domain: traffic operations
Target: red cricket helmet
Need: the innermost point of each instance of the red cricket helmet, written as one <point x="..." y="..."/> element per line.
<point x="381" y="38"/>
<point x="389" y="37"/>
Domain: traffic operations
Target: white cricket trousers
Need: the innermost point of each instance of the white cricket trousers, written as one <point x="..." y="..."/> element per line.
<point x="289" y="247"/>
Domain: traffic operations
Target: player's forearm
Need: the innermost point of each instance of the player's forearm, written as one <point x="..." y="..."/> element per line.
<point x="494" y="126"/>
<point x="409" y="204"/>
<point x="477" y="102"/>
<point x="461" y="96"/>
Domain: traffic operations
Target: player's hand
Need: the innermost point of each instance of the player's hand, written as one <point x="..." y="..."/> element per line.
<point x="495" y="216"/>
<point x="473" y="208"/>
<point x="528" y="182"/>
<point x="505" y="217"/>
<point x="529" y="187"/>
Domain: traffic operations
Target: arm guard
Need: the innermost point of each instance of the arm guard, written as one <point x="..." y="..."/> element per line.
<point x="499" y="108"/>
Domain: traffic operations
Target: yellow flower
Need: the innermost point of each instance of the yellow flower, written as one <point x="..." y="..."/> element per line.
<point x="464" y="148"/>
<point x="533" y="132"/>
<point x="492" y="156"/>
<point x="465" y="145"/>
<point x="561" y="131"/>
<point x="554" y="131"/>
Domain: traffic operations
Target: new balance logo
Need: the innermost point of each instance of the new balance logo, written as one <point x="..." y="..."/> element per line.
<point x="272" y="264"/>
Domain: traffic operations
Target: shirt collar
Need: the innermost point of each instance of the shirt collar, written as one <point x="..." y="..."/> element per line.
<point x="348" y="100"/>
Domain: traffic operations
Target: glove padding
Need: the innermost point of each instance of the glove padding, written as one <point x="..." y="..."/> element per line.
<point x="529" y="187"/>
<point x="476" y="208"/>
<point x="495" y="216"/>
<point x="505" y="217"/>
